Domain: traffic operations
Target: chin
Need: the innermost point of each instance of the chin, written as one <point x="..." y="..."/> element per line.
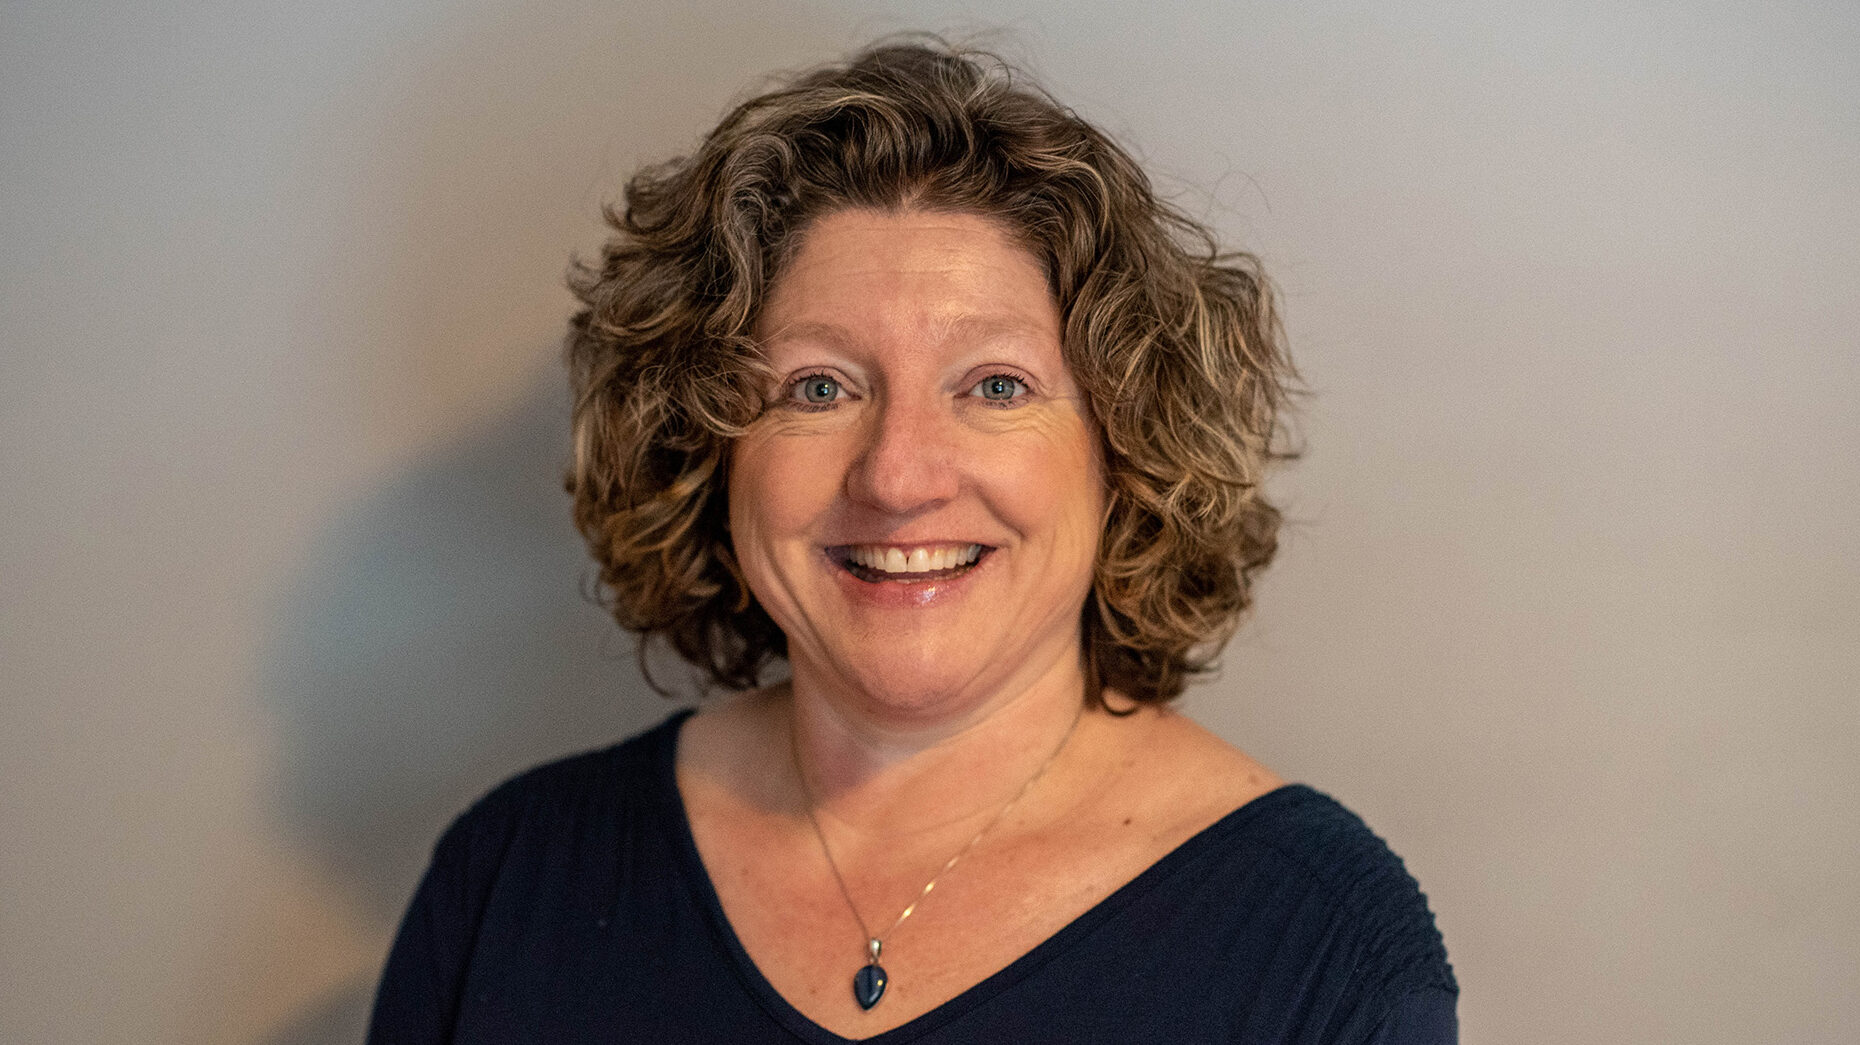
<point x="912" y="686"/>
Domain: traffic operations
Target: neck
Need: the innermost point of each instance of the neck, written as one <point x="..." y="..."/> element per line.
<point x="890" y="773"/>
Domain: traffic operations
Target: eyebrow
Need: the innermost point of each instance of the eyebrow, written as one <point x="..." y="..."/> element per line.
<point x="977" y="327"/>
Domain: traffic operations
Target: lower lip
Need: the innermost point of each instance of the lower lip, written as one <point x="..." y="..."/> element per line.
<point x="907" y="594"/>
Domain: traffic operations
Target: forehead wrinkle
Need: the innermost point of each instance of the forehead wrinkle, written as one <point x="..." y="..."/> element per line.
<point x="810" y="329"/>
<point x="941" y="331"/>
<point x="987" y="326"/>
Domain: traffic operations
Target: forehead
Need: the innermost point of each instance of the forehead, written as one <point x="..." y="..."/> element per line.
<point x="863" y="273"/>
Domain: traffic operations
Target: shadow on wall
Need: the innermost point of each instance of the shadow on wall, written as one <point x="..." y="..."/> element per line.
<point x="439" y="639"/>
<point x="436" y="641"/>
<point x="341" y="1020"/>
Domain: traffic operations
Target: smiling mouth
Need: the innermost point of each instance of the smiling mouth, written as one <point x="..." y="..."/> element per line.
<point x="876" y="563"/>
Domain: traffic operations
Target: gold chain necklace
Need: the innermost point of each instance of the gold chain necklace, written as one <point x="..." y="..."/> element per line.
<point x="870" y="981"/>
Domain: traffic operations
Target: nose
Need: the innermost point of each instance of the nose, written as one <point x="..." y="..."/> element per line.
<point x="908" y="457"/>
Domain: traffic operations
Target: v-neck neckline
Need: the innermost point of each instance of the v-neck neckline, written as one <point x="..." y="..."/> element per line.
<point x="697" y="876"/>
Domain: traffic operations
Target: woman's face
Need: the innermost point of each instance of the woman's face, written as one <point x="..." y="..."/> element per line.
<point x="919" y="507"/>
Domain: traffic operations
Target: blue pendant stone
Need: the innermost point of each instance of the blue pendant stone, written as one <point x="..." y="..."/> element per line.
<point x="869" y="985"/>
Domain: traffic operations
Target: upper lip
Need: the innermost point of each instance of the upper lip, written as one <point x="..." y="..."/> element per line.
<point x="908" y="545"/>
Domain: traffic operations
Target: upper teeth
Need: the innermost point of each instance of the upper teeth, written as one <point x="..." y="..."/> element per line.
<point x="914" y="560"/>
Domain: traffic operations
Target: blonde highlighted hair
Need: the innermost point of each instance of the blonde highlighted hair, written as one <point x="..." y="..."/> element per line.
<point x="1176" y="345"/>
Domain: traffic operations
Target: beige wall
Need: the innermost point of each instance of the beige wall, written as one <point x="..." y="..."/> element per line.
<point x="1568" y="611"/>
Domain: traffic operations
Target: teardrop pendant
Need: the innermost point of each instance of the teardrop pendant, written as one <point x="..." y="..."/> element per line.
<point x="869" y="982"/>
<point x="869" y="985"/>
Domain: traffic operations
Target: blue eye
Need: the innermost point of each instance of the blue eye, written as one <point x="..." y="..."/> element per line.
<point x="818" y="390"/>
<point x="1000" y="388"/>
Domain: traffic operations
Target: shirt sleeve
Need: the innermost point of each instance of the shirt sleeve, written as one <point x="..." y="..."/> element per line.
<point x="1422" y="1017"/>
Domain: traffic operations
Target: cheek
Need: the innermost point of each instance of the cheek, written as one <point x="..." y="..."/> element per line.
<point x="1055" y="483"/>
<point x="775" y="493"/>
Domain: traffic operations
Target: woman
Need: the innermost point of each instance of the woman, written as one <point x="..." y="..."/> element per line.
<point x="906" y="378"/>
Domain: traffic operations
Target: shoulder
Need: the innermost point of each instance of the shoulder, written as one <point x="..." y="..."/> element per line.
<point x="1324" y="899"/>
<point x="1335" y="849"/>
<point x="526" y="865"/>
<point x="1309" y="835"/>
<point x="1343" y="887"/>
<point x="586" y="788"/>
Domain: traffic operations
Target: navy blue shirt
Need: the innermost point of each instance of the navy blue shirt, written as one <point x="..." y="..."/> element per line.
<point x="569" y="905"/>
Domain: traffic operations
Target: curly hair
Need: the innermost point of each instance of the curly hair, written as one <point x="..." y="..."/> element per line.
<point x="1175" y="344"/>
